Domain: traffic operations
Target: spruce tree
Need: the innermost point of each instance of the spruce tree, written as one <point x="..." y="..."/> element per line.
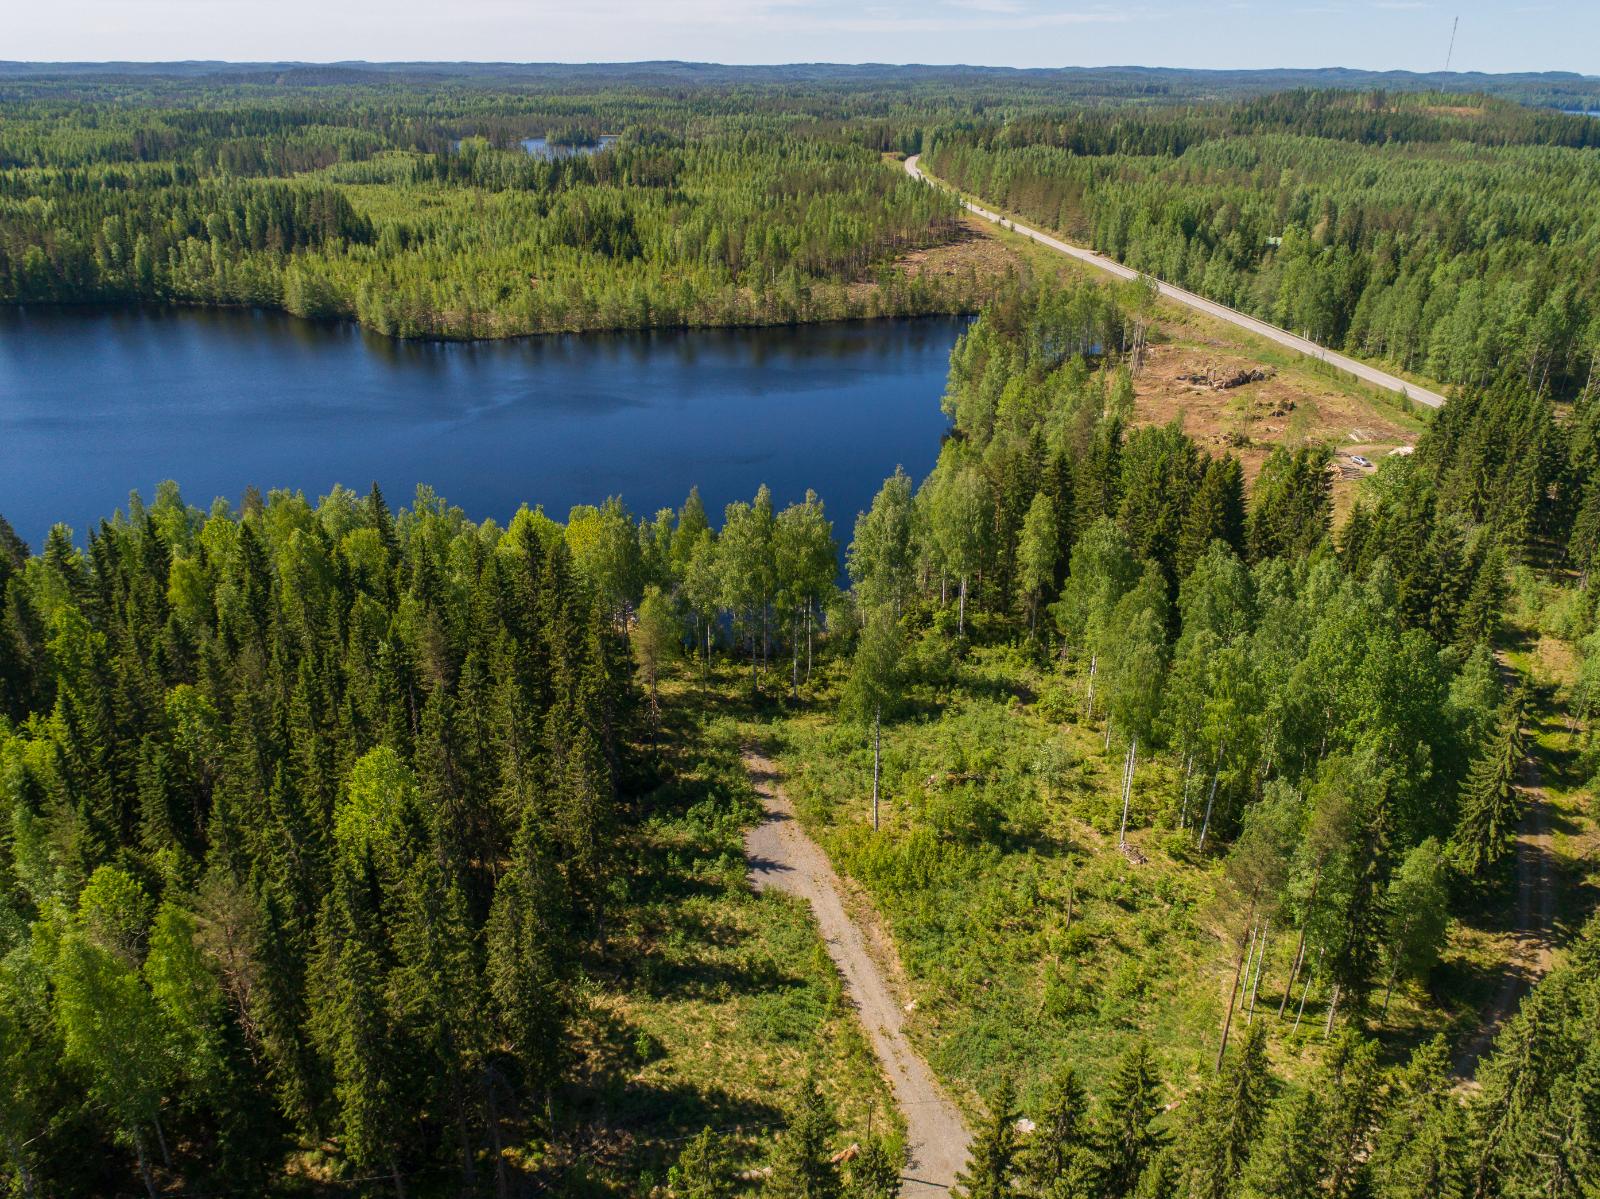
<point x="875" y="1172"/>
<point x="991" y="1171"/>
<point x="1224" y="1124"/>
<point x="351" y="1020"/>
<point x="1055" y="1160"/>
<point x="1416" y="1150"/>
<point x="1490" y="807"/>
<point x="1288" y="1162"/>
<point x="1126" y="1140"/>
<point x="526" y="966"/>
<point x="803" y="1166"/>
<point x="704" y="1169"/>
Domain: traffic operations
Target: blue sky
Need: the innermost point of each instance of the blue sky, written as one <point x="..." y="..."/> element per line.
<point x="1377" y="34"/>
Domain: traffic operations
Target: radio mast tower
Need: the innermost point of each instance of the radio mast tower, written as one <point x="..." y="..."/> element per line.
<point x="1450" y="53"/>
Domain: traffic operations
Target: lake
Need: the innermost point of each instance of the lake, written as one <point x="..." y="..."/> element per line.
<point x="96" y="403"/>
<point x="541" y="148"/>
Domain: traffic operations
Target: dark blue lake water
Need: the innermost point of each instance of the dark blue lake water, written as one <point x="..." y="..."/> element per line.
<point x="94" y="404"/>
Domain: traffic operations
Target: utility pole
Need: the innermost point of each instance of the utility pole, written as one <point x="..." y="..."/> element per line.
<point x="1450" y="53"/>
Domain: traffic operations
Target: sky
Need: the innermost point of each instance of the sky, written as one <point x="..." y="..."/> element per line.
<point x="1495" y="35"/>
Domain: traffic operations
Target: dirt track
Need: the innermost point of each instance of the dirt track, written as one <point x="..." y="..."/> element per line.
<point x="782" y="857"/>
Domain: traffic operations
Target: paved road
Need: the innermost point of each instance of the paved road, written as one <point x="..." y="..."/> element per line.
<point x="781" y="856"/>
<point x="1367" y="374"/>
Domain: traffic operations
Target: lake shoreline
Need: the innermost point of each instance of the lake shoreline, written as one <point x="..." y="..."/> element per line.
<point x="98" y="402"/>
<point x="112" y="306"/>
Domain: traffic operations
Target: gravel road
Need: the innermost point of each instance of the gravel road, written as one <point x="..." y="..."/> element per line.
<point x="784" y="858"/>
<point x="1367" y="374"/>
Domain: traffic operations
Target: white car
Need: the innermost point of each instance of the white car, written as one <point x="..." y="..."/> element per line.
<point x="1359" y="460"/>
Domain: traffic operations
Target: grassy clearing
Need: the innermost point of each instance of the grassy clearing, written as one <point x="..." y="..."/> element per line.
<point x="1027" y="937"/>
<point x="709" y="1001"/>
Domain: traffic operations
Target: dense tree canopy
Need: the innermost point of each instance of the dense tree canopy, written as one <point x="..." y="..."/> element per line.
<point x="1448" y="235"/>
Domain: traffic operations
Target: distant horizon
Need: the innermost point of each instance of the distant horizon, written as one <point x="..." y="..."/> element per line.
<point x="776" y="64"/>
<point x="1416" y="36"/>
<point x="166" y="68"/>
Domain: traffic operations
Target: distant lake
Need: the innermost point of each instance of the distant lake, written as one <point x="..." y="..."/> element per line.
<point x="540" y="148"/>
<point x="95" y="403"/>
<point x="1580" y="112"/>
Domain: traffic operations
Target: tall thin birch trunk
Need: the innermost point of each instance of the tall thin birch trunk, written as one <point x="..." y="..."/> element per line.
<point x="144" y="1165"/>
<point x="1127" y="790"/>
<point x="1300" y="949"/>
<point x="1216" y="773"/>
<point x="1310" y="978"/>
<point x="1261" y="966"/>
<point x="1238" y="968"/>
<point x="161" y="1141"/>
<point x="810" y="634"/>
<point x="877" y="758"/>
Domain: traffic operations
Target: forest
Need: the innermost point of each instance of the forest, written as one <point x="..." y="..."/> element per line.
<point x="1396" y="225"/>
<point x="422" y="215"/>
<point x="352" y="849"/>
<point x="318" y="814"/>
<point x="1446" y="235"/>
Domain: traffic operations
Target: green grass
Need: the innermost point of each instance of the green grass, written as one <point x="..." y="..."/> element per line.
<point x="1001" y="811"/>
<point x="709" y="1002"/>
<point x="1000" y="814"/>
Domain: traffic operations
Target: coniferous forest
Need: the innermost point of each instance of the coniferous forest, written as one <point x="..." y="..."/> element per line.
<point x="1445" y="235"/>
<point x="366" y="846"/>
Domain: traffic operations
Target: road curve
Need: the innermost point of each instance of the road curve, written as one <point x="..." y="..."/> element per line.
<point x="783" y="858"/>
<point x="1301" y="345"/>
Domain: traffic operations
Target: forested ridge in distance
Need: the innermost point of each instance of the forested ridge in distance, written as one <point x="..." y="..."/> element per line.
<point x="350" y="848"/>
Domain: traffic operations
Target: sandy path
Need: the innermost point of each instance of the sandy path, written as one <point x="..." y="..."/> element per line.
<point x="1301" y="345"/>
<point x="782" y="857"/>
